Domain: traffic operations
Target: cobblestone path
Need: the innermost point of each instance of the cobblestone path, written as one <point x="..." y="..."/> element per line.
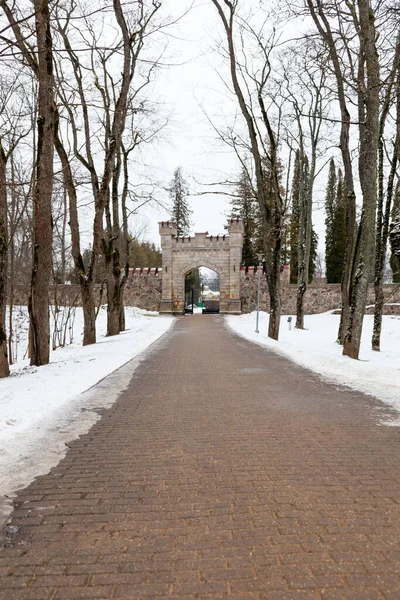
<point x="224" y="471"/>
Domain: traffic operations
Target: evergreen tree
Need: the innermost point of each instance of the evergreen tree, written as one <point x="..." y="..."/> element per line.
<point x="329" y="210"/>
<point x="180" y="211"/>
<point x="295" y="226"/>
<point x="244" y="206"/>
<point x="395" y="238"/>
<point x="285" y="236"/>
<point x="267" y="239"/>
<point x="294" y="219"/>
<point x="339" y="235"/>
<point x="144" y="254"/>
<point x="193" y="281"/>
<point x="313" y="255"/>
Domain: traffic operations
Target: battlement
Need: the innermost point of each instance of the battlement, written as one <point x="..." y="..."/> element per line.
<point x="202" y="240"/>
<point x="236" y="226"/>
<point x="145" y="271"/>
<point x="168" y="228"/>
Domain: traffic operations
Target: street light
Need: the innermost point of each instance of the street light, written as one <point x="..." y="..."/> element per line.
<point x="260" y="257"/>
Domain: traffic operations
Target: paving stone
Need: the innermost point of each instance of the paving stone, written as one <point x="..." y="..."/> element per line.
<point x="208" y="479"/>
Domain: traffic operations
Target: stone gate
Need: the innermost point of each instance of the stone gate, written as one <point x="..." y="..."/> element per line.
<point x="180" y="255"/>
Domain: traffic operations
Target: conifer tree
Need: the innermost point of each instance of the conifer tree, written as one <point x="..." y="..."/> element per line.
<point x="395" y="238"/>
<point x="294" y="219"/>
<point x="313" y="255"/>
<point x="339" y="235"/>
<point x="329" y="212"/>
<point x="244" y="206"/>
<point x="294" y="229"/>
<point x="180" y="211"/>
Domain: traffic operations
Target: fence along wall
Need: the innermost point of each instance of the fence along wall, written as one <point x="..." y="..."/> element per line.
<point x="143" y="289"/>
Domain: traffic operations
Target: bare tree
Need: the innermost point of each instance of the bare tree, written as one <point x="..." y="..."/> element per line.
<point x="41" y="63"/>
<point x="11" y="133"/>
<point x="385" y="196"/>
<point x="353" y="55"/>
<point x="269" y="195"/>
<point x="304" y="84"/>
<point x="4" y="366"/>
<point x="115" y="97"/>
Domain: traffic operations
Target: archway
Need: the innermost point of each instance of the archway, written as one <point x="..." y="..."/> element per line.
<point x="202" y="291"/>
<point x="181" y="255"/>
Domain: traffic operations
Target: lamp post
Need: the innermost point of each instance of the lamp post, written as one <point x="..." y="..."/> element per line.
<point x="260" y="257"/>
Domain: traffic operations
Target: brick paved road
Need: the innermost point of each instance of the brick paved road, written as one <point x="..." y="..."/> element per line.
<point x="224" y="471"/>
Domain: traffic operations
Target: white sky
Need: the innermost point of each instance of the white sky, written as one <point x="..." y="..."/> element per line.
<point x="193" y="92"/>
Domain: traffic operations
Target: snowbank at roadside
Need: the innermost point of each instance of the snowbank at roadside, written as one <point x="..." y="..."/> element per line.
<point x="41" y="409"/>
<point x="375" y="373"/>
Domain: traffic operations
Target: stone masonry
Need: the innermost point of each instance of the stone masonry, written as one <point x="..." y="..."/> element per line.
<point x="221" y="253"/>
<point x="319" y="298"/>
<point x="143" y="289"/>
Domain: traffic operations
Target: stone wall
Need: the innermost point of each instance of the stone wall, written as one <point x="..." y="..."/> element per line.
<point x="143" y="289"/>
<point x="319" y="297"/>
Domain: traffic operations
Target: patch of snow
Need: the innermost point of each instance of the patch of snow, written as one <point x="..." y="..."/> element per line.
<point x="42" y="409"/>
<point x="375" y="373"/>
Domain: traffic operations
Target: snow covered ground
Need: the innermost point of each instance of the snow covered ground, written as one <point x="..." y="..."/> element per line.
<point x="41" y="409"/>
<point x="375" y="373"/>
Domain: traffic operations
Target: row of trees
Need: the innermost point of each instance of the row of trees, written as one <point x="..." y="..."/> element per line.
<point x="244" y="205"/>
<point x="337" y="85"/>
<point x="74" y="108"/>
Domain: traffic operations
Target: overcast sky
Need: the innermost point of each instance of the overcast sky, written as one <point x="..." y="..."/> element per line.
<point x="194" y="92"/>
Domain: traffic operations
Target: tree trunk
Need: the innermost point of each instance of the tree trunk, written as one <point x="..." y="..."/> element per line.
<point x="122" y="322"/>
<point x="89" y="312"/>
<point x="85" y="279"/>
<point x="324" y="28"/>
<point x="305" y="234"/>
<point x="4" y="365"/>
<point x="274" y="277"/>
<point x="113" y="309"/>
<point x="271" y="215"/>
<point x="369" y="138"/>
<point x="112" y="253"/>
<point x="382" y="235"/>
<point x="12" y="267"/>
<point x="113" y="293"/>
<point x="43" y="231"/>
<point x="275" y="310"/>
<point x="63" y="237"/>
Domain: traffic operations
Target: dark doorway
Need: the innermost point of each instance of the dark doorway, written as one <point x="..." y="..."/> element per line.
<point x="192" y="291"/>
<point x="202" y="291"/>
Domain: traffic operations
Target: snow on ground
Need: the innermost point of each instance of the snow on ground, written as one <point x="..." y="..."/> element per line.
<point x="375" y="373"/>
<point x="41" y="409"/>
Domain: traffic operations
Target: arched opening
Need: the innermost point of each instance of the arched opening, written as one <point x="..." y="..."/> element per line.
<point x="202" y="291"/>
